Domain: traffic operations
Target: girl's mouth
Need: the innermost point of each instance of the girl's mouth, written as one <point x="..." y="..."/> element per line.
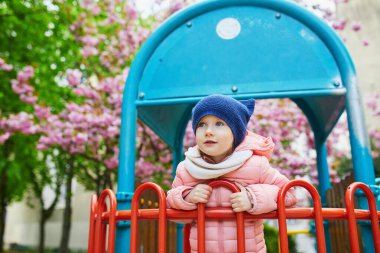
<point x="209" y="142"/>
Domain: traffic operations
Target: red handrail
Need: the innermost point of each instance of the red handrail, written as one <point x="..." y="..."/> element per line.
<point x="239" y="219"/>
<point x="228" y="214"/>
<point x="161" y="216"/>
<point x="352" y="228"/>
<point x="317" y="212"/>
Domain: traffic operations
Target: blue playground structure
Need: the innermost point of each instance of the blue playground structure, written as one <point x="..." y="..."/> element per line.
<point x="246" y="49"/>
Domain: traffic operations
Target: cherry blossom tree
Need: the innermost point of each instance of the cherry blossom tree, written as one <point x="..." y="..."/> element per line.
<point x="86" y="128"/>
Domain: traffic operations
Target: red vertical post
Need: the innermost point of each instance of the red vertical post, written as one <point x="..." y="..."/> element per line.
<point x="321" y="242"/>
<point x="111" y="221"/>
<point x="91" y="233"/>
<point x="186" y="238"/>
<point x="201" y="228"/>
<point x="352" y="228"/>
<point x="103" y="233"/>
<point x="99" y="228"/>
<point x="161" y="216"/>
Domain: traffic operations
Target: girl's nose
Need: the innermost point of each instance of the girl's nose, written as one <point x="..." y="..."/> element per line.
<point x="209" y="131"/>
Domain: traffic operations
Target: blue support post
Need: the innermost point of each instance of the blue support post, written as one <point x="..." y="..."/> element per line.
<point x="177" y="158"/>
<point x="361" y="154"/>
<point x="324" y="183"/>
<point x="127" y="157"/>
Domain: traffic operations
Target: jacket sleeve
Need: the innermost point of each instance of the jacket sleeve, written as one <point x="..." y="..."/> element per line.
<point x="175" y="197"/>
<point x="264" y="194"/>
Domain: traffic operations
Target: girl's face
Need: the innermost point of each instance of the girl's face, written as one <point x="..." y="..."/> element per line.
<point x="214" y="138"/>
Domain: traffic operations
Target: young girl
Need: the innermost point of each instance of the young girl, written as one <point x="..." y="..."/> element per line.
<point x="226" y="150"/>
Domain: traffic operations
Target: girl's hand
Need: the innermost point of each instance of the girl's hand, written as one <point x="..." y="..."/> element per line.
<point x="240" y="201"/>
<point x="200" y="194"/>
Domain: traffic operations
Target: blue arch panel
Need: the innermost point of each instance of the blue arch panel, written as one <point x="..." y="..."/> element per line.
<point x="272" y="52"/>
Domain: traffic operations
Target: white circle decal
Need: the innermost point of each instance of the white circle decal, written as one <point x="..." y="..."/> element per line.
<point x="228" y="28"/>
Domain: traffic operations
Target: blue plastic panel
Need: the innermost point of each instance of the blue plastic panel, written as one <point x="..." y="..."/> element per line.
<point x="272" y="52"/>
<point x="166" y="121"/>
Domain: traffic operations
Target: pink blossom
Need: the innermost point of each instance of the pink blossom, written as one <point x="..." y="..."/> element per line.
<point x="41" y="112"/>
<point x="166" y="159"/>
<point x="80" y="138"/>
<point x="28" y="99"/>
<point x="106" y="59"/>
<point x="176" y="6"/>
<point x="131" y="11"/>
<point x="76" y="149"/>
<point x="339" y="24"/>
<point x="75" y="117"/>
<point x="5" y="66"/>
<point x="89" y="40"/>
<point x="89" y="51"/>
<point x="41" y="146"/>
<point x="4" y="137"/>
<point x="356" y="26"/>
<point x="74" y="77"/>
<point x="21" y="88"/>
<point x="86" y="3"/>
<point x="112" y="131"/>
<point x="25" y="74"/>
<point x="95" y="9"/>
<point x="112" y="162"/>
<point x="365" y="42"/>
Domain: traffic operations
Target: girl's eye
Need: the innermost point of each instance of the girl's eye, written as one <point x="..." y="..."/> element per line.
<point x="219" y="123"/>
<point x="201" y="124"/>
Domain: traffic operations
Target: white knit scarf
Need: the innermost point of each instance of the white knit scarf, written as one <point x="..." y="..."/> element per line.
<point x="200" y="169"/>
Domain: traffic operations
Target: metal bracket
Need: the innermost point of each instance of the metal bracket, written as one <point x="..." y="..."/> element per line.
<point x="366" y="223"/>
<point x="124" y="223"/>
<point x="374" y="188"/>
<point x="124" y="196"/>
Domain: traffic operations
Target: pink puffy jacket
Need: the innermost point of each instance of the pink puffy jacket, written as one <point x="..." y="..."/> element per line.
<point x="256" y="175"/>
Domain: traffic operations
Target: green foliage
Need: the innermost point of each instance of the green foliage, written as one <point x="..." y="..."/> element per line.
<point x="271" y="240"/>
<point x="92" y="174"/>
<point x="343" y="166"/>
<point x="18" y="157"/>
<point x="37" y="34"/>
<point x="34" y="33"/>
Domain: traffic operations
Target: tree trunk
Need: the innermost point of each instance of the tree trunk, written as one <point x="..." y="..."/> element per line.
<point x="64" y="247"/>
<point x="41" y="243"/>
<point x="45" y="213"/>
<point x="3" y="207"/>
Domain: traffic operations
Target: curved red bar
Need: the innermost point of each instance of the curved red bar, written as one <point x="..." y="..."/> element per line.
<point x="100" y="228"/>
<point x="352" y="228"/>
<point x="161" y="216"/>
<point x="239" y="219"/>
<point x="317" y="211"/>
<point x="91" y="233"/>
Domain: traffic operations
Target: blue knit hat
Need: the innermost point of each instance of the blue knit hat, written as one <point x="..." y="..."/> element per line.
<point x="235" y="113"/>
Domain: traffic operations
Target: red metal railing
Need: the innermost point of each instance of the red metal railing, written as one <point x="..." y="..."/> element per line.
<point x="100" y="217"/>
<point x="352" y="229"/>
<point x="239" y="219"/>
<point x="161" y="216"/>
<point x="320" y="232"/>
<point x="98" y="225"/>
